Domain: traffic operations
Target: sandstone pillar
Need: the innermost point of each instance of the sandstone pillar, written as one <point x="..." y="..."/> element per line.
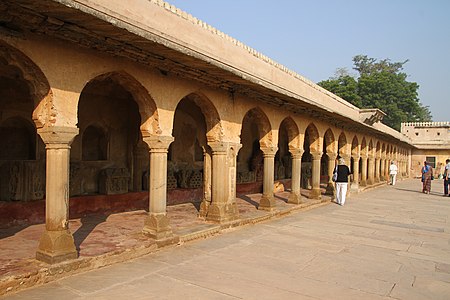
<point x="383" y="169"/>
<point x="315" y="178"/>
<point x="386" y="172"/>
<point x="223" y="203"/>
<point x="295" y="195"/>
<point x="408" y="164"/>
<point x="377" y="169"/>
<point x="56" y="243"/>
<point x="157" y="223"/>
<point x="267" y="201"/>
<point x="363" y="171"/>
<point x="399" y="169"/>
<point x="331" y="166"/>
<point x="207" y="168"/>
<point x="371" y="170"/>
<point x="355" y="184"/>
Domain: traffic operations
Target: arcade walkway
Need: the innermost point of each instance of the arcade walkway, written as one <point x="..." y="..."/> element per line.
<point x="385" y="243"/>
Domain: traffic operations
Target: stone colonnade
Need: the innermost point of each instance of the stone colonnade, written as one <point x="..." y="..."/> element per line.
<point x="55" y="117"/>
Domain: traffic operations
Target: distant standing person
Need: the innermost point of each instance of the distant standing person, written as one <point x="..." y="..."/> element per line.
<point x="427" y="175"/>
<point x="342" y="181"/>
<point x="392" y="173"/>
<point x="446" y="177"/>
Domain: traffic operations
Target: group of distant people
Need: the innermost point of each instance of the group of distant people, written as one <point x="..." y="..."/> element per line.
<point x="428" y="176"/>
<point x="341" y="173"/>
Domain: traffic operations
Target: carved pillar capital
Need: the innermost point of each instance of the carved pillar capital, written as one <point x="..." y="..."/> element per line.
<point x="269" y="151"/>
<point x="296" y="153"/>
<point x="356" y="157"/>
<point x="316" y="155"/>
<point x="158" y="143"/>
<point x="331" y="155"/>
<point x="58" y="136"/>
<point x="223" y="147"/>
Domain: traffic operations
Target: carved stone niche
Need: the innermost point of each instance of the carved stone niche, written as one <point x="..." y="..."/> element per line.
<point x="113" y="181"/>
<point x="246" y="177"/>
<point x="22" y="180"/>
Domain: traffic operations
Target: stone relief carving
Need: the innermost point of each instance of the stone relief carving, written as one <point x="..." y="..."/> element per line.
<point x="114" y="181"/>
<point x="306" y="175"/>
<point x="22" y="180"/>
<point x="183" y="175"/>
<point x="246" y="177"/>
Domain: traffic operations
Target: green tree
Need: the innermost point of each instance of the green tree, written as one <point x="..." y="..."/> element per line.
<point x="344" y="85"/>
<point x="380" y="84"/>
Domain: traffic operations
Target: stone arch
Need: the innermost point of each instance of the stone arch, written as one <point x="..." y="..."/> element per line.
<point x="364" y="147"/>
<point x="355" y="144"/>
<point x="342" y="145"/>
<point x="25" y="102"/>
<point x="263" y="126"/>
<point x="15" y="64"/>
<point x="292" y="132"/>
<point x="214" y="131"/>
<point x="196" y="124"/>
<point x="312" y="134"/>
<point x="378" y="149"/>
<point x="329" y="141"/>
<point x="147" y="107"/>
<point x="288" y="142"/>
<point x="256" y="133"/>
<point x="370" y="148"/>
<point x="114" y="113"/>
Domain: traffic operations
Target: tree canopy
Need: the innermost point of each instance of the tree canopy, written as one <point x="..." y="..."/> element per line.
<point x="380" y="84"/>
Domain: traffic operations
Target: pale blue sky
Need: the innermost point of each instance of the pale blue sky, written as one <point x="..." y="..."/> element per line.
<point x="316" y="37"/>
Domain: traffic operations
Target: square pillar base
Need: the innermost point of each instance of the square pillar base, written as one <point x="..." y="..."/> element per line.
<point x="316" y="194"/>
<point x="157" y="227"/>
<point x="267" y="203"/>
<point x="204" y="207"/>
<point x="354" y="188"/>
<point x="56" y="246"/>
<point x="330" y="189"/>
<point x="295" y="198"/>
<point x="222" y="213"/>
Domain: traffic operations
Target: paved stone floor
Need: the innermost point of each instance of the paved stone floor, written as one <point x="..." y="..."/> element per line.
<point x="385" y="243"/>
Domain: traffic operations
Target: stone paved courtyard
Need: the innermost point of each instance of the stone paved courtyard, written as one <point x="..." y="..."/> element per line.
<point x="385" y="243"/>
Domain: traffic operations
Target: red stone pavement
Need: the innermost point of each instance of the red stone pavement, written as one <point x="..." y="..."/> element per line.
<point x="99" y="234"/>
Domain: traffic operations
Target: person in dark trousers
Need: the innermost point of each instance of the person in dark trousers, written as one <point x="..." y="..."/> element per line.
<point x="342" y="181"/>
<point x="446" y="177"/>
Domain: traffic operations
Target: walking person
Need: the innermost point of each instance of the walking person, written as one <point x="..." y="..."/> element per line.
<point x="446" y="176"/>
<point x="341" y="181"/>
<point x="427" y="176"/>
<point x="392" y="173"/>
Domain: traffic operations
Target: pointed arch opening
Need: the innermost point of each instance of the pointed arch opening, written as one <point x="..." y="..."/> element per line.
<point x="288" y="139"/>
<point x="311" y="144"/>
<point x="256" y="132"/>
<point x="196" y="123"/>
<point x="354" y="153"/>
<point x="24" y="97"/>
<point x="342" y="145"/>
<point x="109" y="156"/>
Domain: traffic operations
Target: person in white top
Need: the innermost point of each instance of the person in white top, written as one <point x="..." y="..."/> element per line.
<point x="392" y="173"/>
